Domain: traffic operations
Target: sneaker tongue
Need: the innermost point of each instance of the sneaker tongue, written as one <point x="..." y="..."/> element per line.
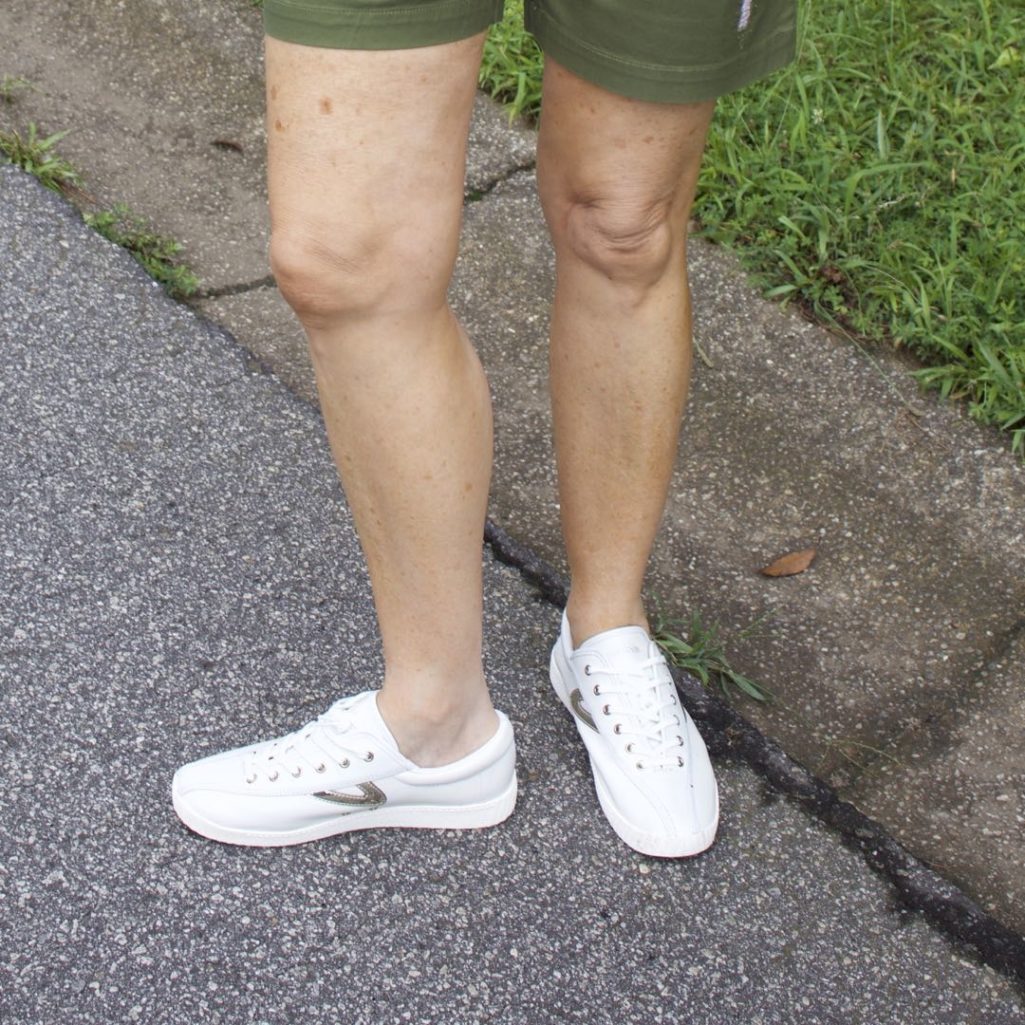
<point x="360" y="713"/>
<point x="355" y="711"/>
<point x="624" y="646"/>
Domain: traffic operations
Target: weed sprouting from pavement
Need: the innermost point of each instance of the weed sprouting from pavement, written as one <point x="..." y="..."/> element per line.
<point x="696" y="648"/>
<point x="10" y="86"/>
<point x="158" y="254"/>
<point x="37" y="156"/>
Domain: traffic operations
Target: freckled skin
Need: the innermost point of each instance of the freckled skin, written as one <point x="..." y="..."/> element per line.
<point x="404" y="398"/>
<point x="620" y="330"/>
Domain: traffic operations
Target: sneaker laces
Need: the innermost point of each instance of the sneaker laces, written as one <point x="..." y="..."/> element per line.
<point x="315" y="747"/>
<point x="646" y="709"/>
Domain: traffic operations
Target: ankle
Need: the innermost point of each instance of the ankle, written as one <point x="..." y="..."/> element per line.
<point x="586" y="619"/>
<point x="437" y="732"/>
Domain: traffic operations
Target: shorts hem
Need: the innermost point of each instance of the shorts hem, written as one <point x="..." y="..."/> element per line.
<point x="394" y="28"/>
<point x="655" y="82"/>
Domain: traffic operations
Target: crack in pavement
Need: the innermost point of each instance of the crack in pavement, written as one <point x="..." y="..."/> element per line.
<point x="267" y="281"/>
<point x="476" y="195"/>
<point x="919" y="887"/>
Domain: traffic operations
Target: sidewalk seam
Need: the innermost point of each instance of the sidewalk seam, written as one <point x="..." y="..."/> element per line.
<point x="267" y="281"/>
<point x="476" y="195"/>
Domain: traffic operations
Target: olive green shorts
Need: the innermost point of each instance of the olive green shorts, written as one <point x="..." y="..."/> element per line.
<point x="674" y="51"/>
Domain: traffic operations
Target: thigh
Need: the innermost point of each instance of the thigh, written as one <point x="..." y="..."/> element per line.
<point x="364" y="145"/>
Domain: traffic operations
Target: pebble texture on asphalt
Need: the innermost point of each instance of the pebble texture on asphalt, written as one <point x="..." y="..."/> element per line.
<point x="178" y="574"/>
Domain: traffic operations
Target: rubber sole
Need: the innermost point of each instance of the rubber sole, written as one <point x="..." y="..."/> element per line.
<point x="469" y="816"/>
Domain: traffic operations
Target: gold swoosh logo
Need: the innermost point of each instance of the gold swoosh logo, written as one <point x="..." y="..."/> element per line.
<point x="576" y="700"/>
<point x="371" y="796"/>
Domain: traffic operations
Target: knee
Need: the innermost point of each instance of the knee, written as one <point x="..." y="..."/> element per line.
<point x="323" y="279"/>
<point x="630" y="240"/>
<point x="631" y="244"/>
<point x="327" y="280"/>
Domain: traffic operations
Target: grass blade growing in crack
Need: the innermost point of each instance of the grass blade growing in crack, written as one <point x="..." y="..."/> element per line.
<point x="158" y="254"/>
<point x="697" y="650"/>
<point x="37" y="156"/>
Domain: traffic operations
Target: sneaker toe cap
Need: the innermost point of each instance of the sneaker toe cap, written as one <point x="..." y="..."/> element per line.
<point x="675" y="818"/>
<point x="222" y="773"/>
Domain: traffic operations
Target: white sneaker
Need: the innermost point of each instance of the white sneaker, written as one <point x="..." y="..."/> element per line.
<point x="340" y="773"/>
<point x="651" y="769"/>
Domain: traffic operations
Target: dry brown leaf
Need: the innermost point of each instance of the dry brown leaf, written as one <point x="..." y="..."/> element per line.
<point x="789" y="564"/>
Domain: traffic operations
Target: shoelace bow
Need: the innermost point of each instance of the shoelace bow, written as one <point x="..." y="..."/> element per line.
<point x="313" y="748"/>
<point x="648" y="715"/>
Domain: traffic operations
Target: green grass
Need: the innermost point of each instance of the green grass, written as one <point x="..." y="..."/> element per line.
<point x="697" y="649"/>
<point x="10" y="86"/>
<point x="158" y="254"/>
<point x="511" y="67"/>
<point x="879" y="182"/>
<point x="37" y="155"/>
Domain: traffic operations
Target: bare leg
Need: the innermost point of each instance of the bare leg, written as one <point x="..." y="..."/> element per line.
<point x="366" y="159"/>
<point x="617" y="180"/>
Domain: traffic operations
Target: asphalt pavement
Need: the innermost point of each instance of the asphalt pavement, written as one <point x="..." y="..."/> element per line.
<point x="179" y="573"/>
<point x="897" y="660"/>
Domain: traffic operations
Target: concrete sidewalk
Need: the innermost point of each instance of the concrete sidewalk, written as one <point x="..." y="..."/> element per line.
<point x="179" y="572"/>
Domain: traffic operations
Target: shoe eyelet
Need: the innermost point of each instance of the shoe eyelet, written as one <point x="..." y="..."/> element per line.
<point x="369" y="757"/>
<point x="640" y="765"/>
<point x="273" y="777"/>
<point x="679" y="761"/>
<point x="587" y="670"/>
<point x="677" y="718"/>
<point x="595" y="690"/>
<point x="630" y="748"/>
<point x="320" y="768"/>
<point x="344" y="763"/>
<point x="605" y="710"/>
<point x="250" y="779"/>
<point x="618" y="728"/>
<point x="298" y="772"/>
